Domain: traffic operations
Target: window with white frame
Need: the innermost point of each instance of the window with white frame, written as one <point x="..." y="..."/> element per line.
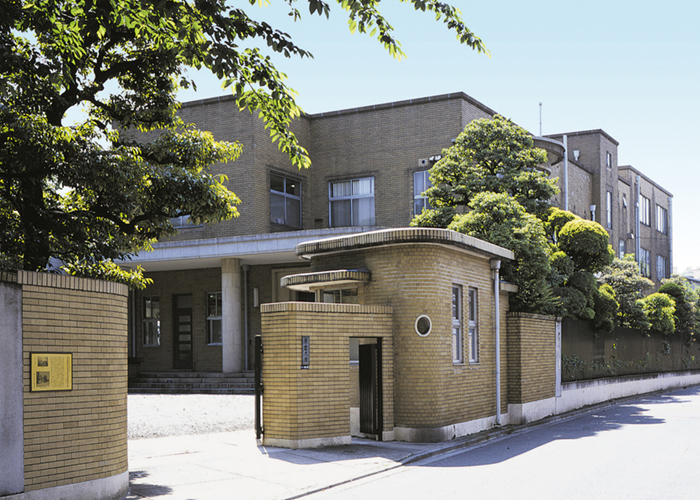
<point x="661" y="267"/>
<point x="608" y="209"/>
<point x="473" y="330"/>
<point x="214" y="318"/>
<point x="608" y="159"/>
<point x="150" y="321"/>
<point x="352" y="202"/>
<point x="622" y="249"/>
<point x="644" y="262"/>
<point x="285" y="201"/>
<point x="661" y="219"/>
<point x="644" y="210"/>
<point x="421" y="182"/>
<point x="457" y="340"/>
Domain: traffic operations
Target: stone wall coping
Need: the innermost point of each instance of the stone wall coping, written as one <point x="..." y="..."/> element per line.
<point x="401" y="236"/>
<point x="322" y="307"/>
<point x="65" y="282"/>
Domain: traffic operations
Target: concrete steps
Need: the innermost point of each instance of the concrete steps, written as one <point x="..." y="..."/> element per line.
<point x="192" y="383"/>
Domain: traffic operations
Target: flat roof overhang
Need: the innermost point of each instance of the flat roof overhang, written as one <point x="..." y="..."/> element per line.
<point x="337" y="278"/>
<point x="269" y="248"/>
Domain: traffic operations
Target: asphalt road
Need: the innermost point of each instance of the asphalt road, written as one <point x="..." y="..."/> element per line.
<point x="647" y="448"/>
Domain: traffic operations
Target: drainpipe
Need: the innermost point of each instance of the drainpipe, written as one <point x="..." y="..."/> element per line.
<point x="669" y="230"/>
<point x="246" y="268"/>
<point x="566" y="175"/>
<point x="495" y="266"/>
<point x="637" y="208"/>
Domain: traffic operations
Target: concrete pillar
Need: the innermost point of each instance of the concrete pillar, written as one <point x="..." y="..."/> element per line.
<point x="11" y="397"/>
<point x="231" y="331"/>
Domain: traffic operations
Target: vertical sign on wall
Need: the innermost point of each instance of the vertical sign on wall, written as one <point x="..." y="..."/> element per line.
<point x="305" y="352"/>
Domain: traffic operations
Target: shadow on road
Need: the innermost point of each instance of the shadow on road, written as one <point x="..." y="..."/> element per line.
<point x="139" y="490"/>
<point x="605" y="419"/>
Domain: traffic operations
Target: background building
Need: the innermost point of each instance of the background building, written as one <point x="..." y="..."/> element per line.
<point x="369" y="169"/>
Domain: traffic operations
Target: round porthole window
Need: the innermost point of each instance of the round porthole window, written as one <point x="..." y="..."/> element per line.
<point x="423" y="325"/>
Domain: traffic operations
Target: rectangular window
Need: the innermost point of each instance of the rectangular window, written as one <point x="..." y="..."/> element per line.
<point x="473" y="331"/>
<point x="608" y="209"/>
<point x="352" y="202"/>
<point x="285" y="201"/>
<point x="661" y="268"/>
<point x="342" y="296"/>
<point x="214" y="318"/>
<point x="661" y="219"/>
<point x="150" y="321"/>
<point x="457" y="341"/>
<point x="645" y="210"/>
<point x="421" y="182"/>
<point x="645" y="262"/>
<point x="608" y="160"/>
<point x="623" y="249"/>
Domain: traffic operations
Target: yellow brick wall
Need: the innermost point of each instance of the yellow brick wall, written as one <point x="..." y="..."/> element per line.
<point x="79" y="435"/>
<point x="314" y="403"/>
<point x="414" y="279"/>
<point x="531" y="357"/>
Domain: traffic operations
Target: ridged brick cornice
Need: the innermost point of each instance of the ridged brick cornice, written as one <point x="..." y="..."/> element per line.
<point x="402" y="236"/>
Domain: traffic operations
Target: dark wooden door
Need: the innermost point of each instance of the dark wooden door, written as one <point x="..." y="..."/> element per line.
<point x="371" y="414"/>
<point x="182" y="332"/>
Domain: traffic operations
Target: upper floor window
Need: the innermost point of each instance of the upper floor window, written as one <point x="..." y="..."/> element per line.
<point x="150" y="321"/>
<point x="661" y="219"/>
<point x="285" y="201"/>
<point x="473" y="331"/>
<point x="421" y="182"/>
<point x="645" y="262"/>
<point x="645" y="210"/>
<point x="608" y="159"/>
<point x="214" y="318"/>
<point x="608" y="209"/>
<point x="457" y="341"/>
<point x="352" y="202"/>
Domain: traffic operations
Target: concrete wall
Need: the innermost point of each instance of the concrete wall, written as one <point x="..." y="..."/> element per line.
<point x="75" y="442"/>
<point x="11" y="408"/>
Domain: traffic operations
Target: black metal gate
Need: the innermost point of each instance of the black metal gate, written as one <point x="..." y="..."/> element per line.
<point x="371" y="408"/>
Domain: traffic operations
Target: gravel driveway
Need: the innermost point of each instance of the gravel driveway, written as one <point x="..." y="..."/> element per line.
<point x="160" y="415"/>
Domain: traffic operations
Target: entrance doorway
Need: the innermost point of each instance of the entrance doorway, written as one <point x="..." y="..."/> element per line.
<point x="182" y="332"/>
<point x="370" y="378"/>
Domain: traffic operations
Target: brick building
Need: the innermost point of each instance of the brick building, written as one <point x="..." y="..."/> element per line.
<point x="369" y="168"/>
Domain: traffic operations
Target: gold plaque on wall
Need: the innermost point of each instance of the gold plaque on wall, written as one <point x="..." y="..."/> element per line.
<point x="51" y="371"/>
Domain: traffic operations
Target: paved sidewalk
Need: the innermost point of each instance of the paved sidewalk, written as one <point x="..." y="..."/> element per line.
<point x="234" y="465"/>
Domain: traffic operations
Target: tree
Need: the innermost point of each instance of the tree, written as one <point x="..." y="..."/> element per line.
<point x="83" y="193"/>
<point x="491" y="155"/>
<point x="686" y="315"/>
<point x="624" y="278"/>
<point x="499" y="219"/>
<point x="586" y="242"/>
<point x="659" y="309"/>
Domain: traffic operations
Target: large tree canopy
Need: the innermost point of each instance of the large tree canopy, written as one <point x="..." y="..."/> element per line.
<point x="81" y="193"/>
<point x="490" y="155"/>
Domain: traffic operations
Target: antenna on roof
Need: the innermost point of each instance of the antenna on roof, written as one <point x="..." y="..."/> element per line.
<point x="540" y="119"/>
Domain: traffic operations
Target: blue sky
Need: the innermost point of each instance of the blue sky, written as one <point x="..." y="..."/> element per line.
<point x="629" y="68"/>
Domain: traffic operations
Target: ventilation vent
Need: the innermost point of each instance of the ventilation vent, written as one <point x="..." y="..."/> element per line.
<point x="423" y="325"/>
